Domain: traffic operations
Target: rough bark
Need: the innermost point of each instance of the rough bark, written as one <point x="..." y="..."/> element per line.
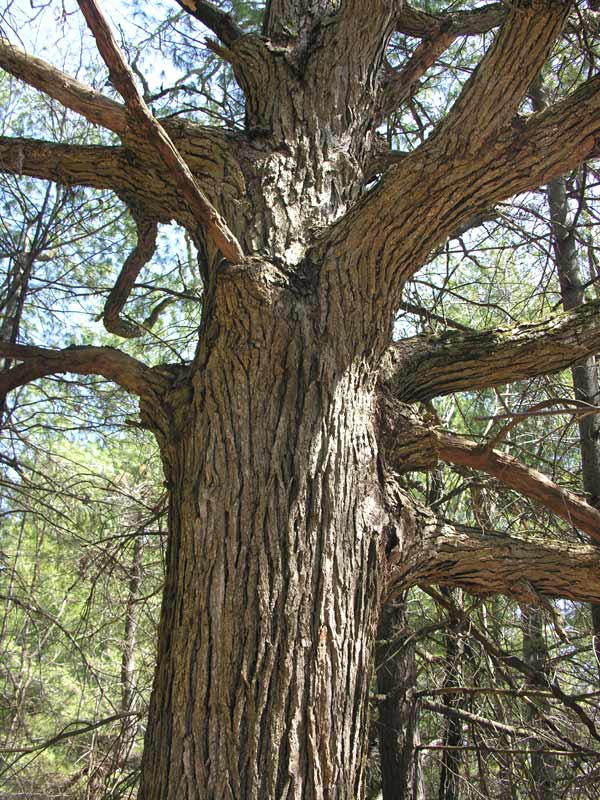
<point x="425" y="367"/>
<point x="425" y="551"/>
<point x="416" y="22"/>
<point x="275" y="568"/>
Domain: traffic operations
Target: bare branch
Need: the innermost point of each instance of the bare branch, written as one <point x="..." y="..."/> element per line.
<point x="221" y="24"/>
<point x="425" y="313"/>
<point x="39" y="362"/>
<point x="71" y="93"/>
<point x="69" y="731"/>
<point x="546" y="145"/>
<point x="93" y="105"/>
<point x="135" y="179"/>
<point x="401" y="84"/>
<point x="408" y="442"/>
<point x="428" y="551"/>
<point x="426" y="366"/>
<point x="474" y="719"/>
<point x="535" y="676"/>
<point x="524" y="479"/>
<point x="139" y="256"/>
<point x="415" y="22"/>
<point x="123" y="79"/>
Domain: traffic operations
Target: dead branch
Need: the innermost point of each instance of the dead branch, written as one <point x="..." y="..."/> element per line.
<point x="73" y="94"/>
<point x="220" y="23"/>
<point x="524" y="479"/>
<point x="135" y="261"/>
<point x="142" y="118"/>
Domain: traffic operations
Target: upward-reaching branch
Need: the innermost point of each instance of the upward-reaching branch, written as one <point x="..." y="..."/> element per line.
<point x="141" y="116"/>
<point x="389" y="236"/>
<point x="73" y="94"/>
<point x="401" y="83"/>
<point x="496" y="89"/>
<point x="220" y="23"/>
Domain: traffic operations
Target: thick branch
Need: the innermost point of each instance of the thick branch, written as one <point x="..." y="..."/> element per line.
<point x="68" y="164"/>
<point x="548" y="144"/>
<point x="494" y="92"/>
<point x="369" y="254"/>
<point x="135" y="179"/>
<point x="39" y="362"/>
<point x="408" y="443"/>
<point x="123" y="79"/>
<point x="71" y="93"/>
<point x="414" y="22"/>
<point x="139" y="256"/>
<point x="401" y="84"/>
<point x="527" y="481"/>
<point x="426" y="366"/>
<point x="527" y="568"/>
<point x="96" y="107"/>
<point x="221" y="24"/>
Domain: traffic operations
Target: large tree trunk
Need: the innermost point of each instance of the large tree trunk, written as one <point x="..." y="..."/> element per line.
<point x="274" y="576"/>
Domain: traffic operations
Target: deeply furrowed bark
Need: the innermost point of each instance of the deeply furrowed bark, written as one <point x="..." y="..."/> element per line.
<point x="275" y="564"/>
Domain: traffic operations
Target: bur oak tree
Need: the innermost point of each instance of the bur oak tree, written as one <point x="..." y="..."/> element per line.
<point x="283" y="439"/>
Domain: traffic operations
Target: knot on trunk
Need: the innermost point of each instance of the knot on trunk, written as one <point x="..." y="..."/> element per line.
<point x="407" y="439"/>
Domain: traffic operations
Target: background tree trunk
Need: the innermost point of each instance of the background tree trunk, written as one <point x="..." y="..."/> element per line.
<point x="535" y="655"/>
<point x="398" y="722"/>
<point x="585" y="372"/>
<point x="449" y="786"/>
